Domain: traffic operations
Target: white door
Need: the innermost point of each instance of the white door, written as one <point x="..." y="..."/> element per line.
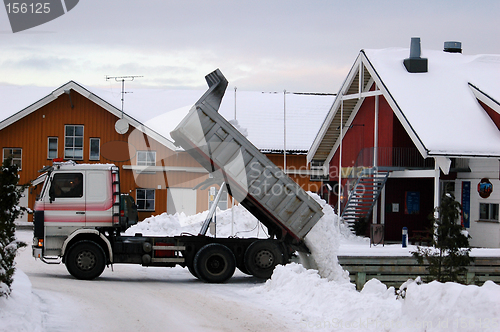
<point x="24" y="203"/>
<point x="181" y="200"/>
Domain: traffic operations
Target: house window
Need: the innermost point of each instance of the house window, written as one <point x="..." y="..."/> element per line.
<point x="212" y="193"/>
<point x="488" y="212"/>
<point x="95" y="146"/>
<point x="145" y="199"/>
<point x="317" y="169"/>
<point x="73" y="142"/>
<point x="15" y="154"/>
<point x="52" y="148"/>
<point x="146" y="158"/>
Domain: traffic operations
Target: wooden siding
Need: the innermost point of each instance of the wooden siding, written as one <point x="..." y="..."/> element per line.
<point x="391" y="134"/>
<point x="32" y="131"/>
<point x="297" y="163"/>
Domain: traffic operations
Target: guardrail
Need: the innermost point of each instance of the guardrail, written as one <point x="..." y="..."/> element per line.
<point x="393" y="271"/>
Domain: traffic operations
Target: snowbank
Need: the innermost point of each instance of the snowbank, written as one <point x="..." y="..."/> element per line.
<point x="20" y="311"/>
<point x="317" y="304"/>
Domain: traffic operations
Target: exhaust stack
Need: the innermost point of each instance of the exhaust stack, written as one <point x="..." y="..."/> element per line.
<point x="415" y="63"/>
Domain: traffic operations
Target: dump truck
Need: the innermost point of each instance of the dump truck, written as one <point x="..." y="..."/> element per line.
<point x="78" y="218"/>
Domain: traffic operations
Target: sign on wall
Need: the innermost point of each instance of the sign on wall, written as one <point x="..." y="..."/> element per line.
<point x="484" y="188"/>
<point x="412" y="202"/>
<point x="466" y="204"/>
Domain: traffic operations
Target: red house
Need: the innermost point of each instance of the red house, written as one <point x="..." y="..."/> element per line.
<point x="408" y="126"/>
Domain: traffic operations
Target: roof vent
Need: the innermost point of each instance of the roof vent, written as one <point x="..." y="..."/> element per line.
<point x="453" y="47"/>
<point x="415" y="64"/>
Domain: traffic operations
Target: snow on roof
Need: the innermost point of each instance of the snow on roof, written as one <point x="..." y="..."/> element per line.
<point x="261" y="114"/>
<point x="439" y="105"/>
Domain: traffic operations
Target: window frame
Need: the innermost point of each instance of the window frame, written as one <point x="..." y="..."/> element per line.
<point x="138" y="201"/>
<point x="224" y="198"/>
<point x="492" y="215"/>
<point x="98" y="148"/>
<point x="48" y="147"/>
<point x="20" y="159"/>
<point x="74" y="147"/>
<point x="61" y="185"/>
<point x="146" y="162"/>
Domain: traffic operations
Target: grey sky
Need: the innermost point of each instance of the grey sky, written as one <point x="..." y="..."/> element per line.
<point x="268" y="45"/>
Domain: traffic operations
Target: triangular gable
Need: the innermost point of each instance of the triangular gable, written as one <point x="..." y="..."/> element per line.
<point x="356" y="87"/>
<point x="71" y="85"/>
<point x="490" y="105"/>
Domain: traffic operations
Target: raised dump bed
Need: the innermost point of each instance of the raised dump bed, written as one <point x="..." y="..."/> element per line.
<point x="252" y="179"/>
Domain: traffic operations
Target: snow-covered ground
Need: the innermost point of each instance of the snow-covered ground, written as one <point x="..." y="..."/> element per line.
<point x="294" y="299"/>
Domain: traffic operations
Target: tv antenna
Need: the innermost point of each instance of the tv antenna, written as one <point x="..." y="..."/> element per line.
<point x="121" y="126"/>
<point x="122" y="79"/>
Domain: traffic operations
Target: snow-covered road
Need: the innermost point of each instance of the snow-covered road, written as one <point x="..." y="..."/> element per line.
<point x="134" y="298"/>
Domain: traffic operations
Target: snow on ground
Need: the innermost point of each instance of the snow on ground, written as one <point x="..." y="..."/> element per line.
<point x="308" y="299"/>
<point x="21" y="311"/>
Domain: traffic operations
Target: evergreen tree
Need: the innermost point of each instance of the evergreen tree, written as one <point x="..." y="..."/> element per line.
<point x="10" y="193"/>
<point x="449" y="257"/>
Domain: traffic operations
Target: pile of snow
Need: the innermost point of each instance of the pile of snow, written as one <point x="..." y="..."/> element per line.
<point x="245" y="224"/>
<point x="20" y="311"/>
<point x="236" y="124"/>
<point x="318" y="304"/>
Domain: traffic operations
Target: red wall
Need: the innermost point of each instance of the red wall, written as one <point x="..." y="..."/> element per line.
<point x="361" y="133"/>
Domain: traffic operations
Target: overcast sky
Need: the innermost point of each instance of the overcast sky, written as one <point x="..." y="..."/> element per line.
<point x="270" y="45"/>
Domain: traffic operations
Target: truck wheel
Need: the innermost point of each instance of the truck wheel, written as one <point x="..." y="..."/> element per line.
<point x="261" y="257"/>
<point x="214" y="263"/>
<point x="85" y="260"/>
<point x="192" y="271"/>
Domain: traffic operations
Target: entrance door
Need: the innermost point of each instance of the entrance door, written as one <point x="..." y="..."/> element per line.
<point x="181" y="200"/>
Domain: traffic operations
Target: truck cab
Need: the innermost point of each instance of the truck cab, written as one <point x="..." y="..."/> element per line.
<point x="76" y="198"/>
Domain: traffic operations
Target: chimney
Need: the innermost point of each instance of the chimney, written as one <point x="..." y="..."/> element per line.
<point x="415" y="64"/>
<point x="453" y="47"/>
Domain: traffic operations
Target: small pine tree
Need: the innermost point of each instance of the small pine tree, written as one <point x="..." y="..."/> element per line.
<point x="10" y="193"/>
<point x="449" y="257"/>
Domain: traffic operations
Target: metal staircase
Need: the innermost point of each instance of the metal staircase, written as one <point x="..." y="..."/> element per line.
<point x="364" y="194"/>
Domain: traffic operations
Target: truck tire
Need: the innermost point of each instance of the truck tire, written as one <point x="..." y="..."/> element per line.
<point x="214" y="263"/>
<point x="261" y="257"/>
<point x="85" y="260"/>
<point x="192" y="271"/>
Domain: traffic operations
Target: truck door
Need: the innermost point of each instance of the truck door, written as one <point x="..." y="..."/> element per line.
<point x="65" y="204"/>
<point x="99" y="198"/>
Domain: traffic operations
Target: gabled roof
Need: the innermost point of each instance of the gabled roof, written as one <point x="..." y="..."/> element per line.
<point x="71" y="85"/>
<point x="438" y="109"/>
<point x="158" y="111"/>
